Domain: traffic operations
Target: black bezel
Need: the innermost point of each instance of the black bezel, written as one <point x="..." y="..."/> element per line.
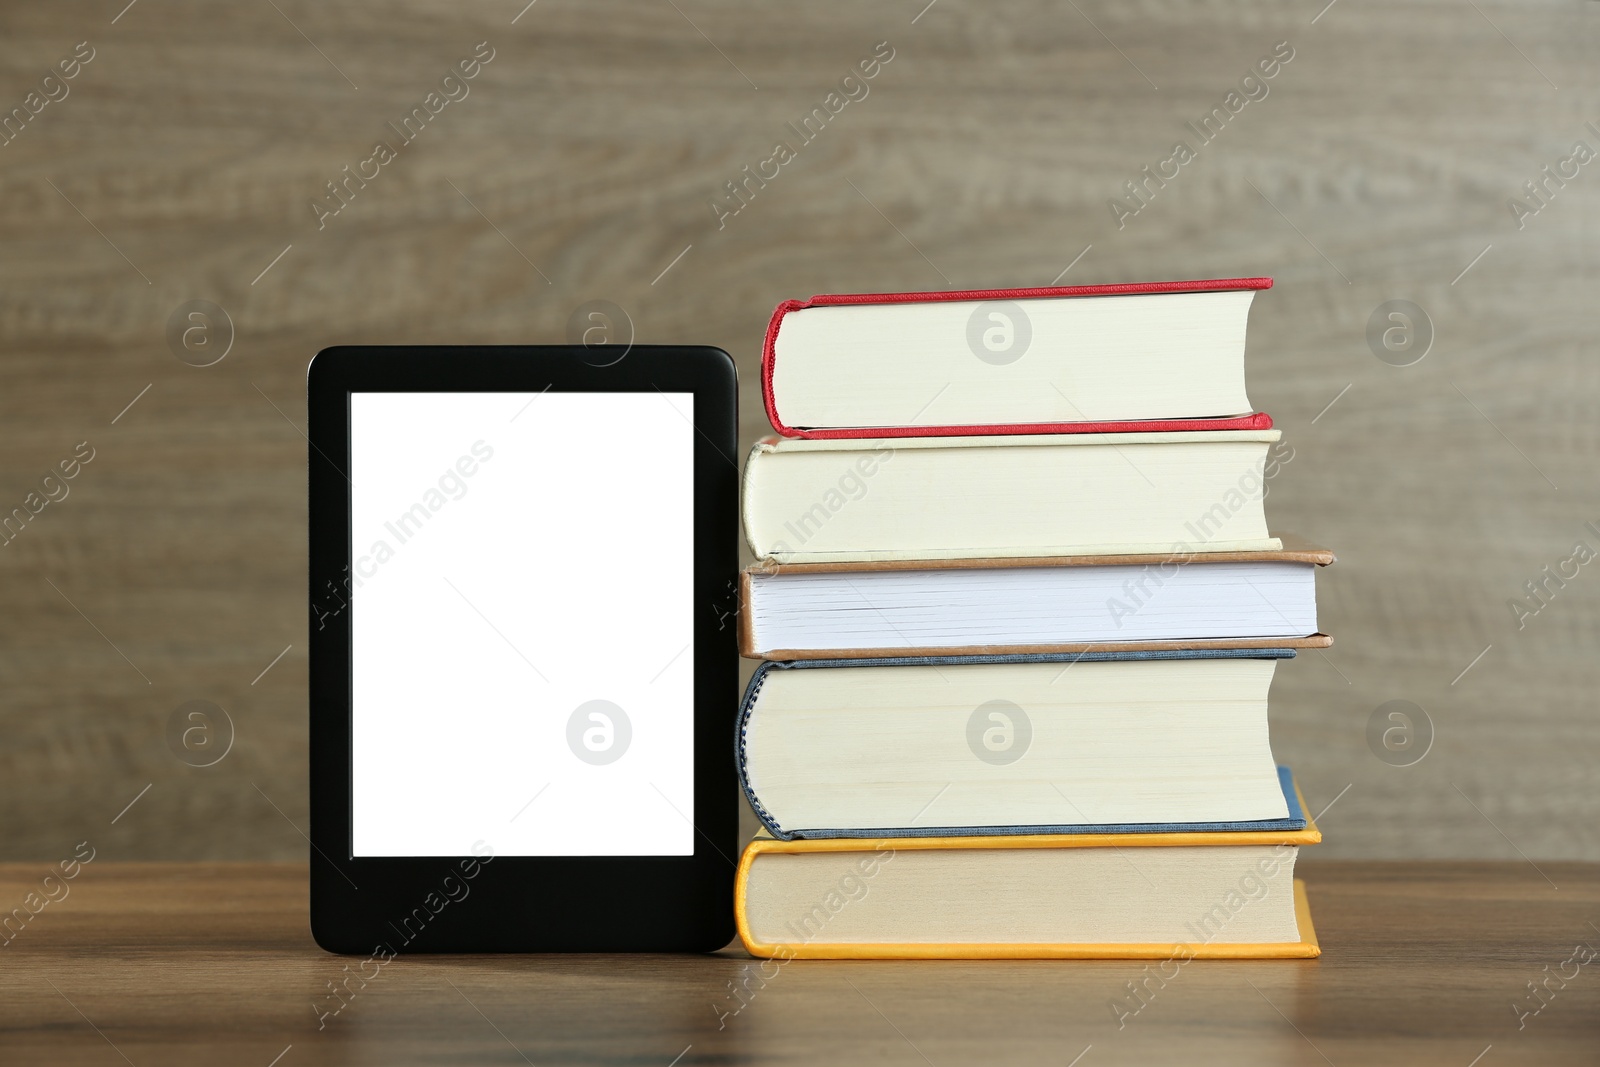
<point x="514" y="903"/>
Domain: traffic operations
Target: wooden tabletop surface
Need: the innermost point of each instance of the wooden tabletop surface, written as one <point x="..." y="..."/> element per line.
<point x="212" y="963"/>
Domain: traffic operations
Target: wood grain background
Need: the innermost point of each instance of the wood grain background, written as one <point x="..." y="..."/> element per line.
<point x="581" y="167"/>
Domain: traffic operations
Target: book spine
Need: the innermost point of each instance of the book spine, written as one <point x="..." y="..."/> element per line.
<point x="741" y="722"/>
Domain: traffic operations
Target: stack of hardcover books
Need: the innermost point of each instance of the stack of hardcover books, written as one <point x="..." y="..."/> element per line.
<point x="1020" y="611"/>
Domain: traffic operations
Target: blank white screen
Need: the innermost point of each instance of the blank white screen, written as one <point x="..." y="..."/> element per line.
<point x="500" y="580"/>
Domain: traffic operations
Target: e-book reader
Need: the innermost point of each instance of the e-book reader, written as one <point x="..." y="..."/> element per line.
<point x="522" y="667"/>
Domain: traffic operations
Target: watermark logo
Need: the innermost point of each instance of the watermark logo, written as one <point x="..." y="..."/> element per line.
<point x="1399" y="733"/>
<point x="1399" y="332"/>
<point x="851" y="485"/>
<point x="999" y="732"/>
<point x="52" y="888"/>
<point x="1538" y="996"/>
<point x="738" y="192"/>
<point x="1144" y="186"/>
<point x="50" y="89"/>
<point x="999" y="332"/>
<point x="199" y="733"/>
<point x="598" y="732"/>
<point x="345" y="186"/>
<point x="52" y="489"/>
<point x="604" y="329"/>
<point x="199" y="333"/>
<point x="1551" y="179"/>
<point x="1543" y="587"/>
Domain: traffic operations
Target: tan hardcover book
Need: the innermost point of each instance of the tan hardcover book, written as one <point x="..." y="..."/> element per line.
<point x="963" y="498"/>
<point x="997" y="606"/>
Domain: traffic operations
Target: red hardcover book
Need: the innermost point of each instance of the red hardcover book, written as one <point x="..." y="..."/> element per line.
<point x="1144" y="356"/>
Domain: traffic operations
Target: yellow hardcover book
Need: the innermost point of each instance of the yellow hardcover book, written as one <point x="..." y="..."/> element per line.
<point x="1217" y="895"/>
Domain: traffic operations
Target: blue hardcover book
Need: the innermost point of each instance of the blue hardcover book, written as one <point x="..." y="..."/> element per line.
<point x="1087" y="743"/>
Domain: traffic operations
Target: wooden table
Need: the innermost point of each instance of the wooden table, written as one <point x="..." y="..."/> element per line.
<point x="212" y="963"/>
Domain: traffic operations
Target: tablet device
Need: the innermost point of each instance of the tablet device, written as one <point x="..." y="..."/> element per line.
<point x="523" y="674"/>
